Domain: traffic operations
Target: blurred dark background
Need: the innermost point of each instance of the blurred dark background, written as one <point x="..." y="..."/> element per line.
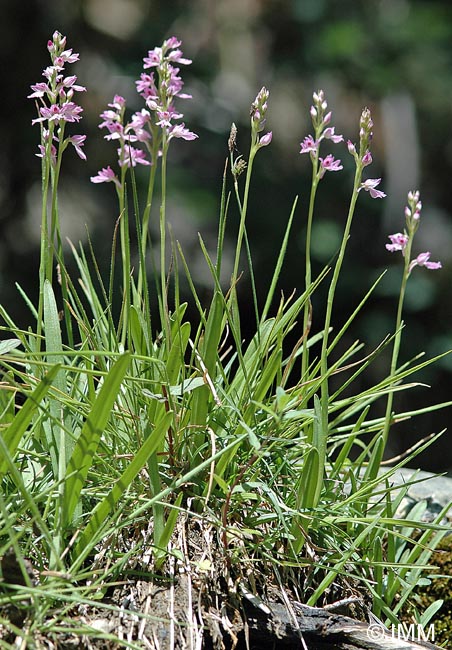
<point x="394" y="56"/>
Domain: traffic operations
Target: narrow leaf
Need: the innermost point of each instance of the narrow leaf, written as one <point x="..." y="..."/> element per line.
<point x="8" y="345"/>
<point x="310" y="479"/>
<point x="88" y="441"/>
<point x="22" y="420"/>
<point x="175" y="363"/>
<point x="168" y="529"/>
<point x="59" y="444"/>
<point x="109" y="503"/>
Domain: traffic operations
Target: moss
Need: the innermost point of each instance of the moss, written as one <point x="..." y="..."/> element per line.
<point x="439" y="589"/>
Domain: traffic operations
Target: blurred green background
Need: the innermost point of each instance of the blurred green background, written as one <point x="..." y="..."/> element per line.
<point x="394" y="56"/>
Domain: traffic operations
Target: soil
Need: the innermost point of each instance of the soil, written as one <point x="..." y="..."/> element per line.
<point x="204" y="598"/>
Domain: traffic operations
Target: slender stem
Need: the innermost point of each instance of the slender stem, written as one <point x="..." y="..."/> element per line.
<point x="332" y="288"/>
<point x="243" y="210"/>
<point x="243" y="207"/>
<point x="125" y="254"/>
<point x="54" y="223"/>
<point x="147" y="212"/>
<point x="397" y="340"/>
<point x="222" y="222"/>
<point x="44" y="252"/>
<point x="315" y="182"/>
<point x="163" y="280"/>
<point x="308" y="271"/>
<point x="338" y="266"/>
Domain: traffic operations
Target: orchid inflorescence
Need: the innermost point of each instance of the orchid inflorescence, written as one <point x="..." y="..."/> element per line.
<point x="55" y="103"/>
<point x="158" y="123"/>
<point x="258" y="118"/>
<point x="155" y="123"/>
<point x="364" y="157"/>
<point x="402" y="241"/>
<point x="311" y="144"/>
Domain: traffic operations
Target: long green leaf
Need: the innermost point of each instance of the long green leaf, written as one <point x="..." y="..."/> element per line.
<point x="310" y="479"/>
<point x="160" y="552"/>
<point x="101" y="312"/>
<point x="52" y="331"/>
<point x="90" y="435"/>
<point x="339" y="566"/>
<point x="175" y="363"/>
<point x="350" y="441"/>
<point x="22" y="420"/>
<point x="279" y="263"/>
<point x="58" y="443"/>
<point x="108" y="504"/>
<point x="209" y="352"/>
<point x="139" y="332"/>
<point x="319" y="439"/>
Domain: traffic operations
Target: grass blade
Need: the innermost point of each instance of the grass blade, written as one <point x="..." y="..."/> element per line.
<point x="88" y="441"/>
<point x="22" y="420"/>
<point x="109" y="503"/>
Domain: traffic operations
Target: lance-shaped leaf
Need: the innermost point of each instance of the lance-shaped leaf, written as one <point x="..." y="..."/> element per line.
<point x="90" y="435"/>
<point x="109" y="503"/>
<point x="22" y="420"/>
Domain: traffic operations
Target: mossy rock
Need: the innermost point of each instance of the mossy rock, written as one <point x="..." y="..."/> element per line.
<point x="439" y="588"/>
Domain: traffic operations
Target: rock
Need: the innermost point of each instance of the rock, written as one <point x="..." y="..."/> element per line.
<point x="315" y="628"/>
<point x="435" y="490"/>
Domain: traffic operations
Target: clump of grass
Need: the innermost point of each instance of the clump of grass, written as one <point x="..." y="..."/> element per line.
<point x="110" y="421"/>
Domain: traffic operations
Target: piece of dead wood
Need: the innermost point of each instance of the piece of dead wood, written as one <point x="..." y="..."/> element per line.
<point x="319" y="629"/>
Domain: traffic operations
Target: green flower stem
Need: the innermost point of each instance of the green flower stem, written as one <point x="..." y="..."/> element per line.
<point x="164" y="313"/>
<point x="308" y="271"/>
<point x="243" y="210"/>
<point x="147" y="211"/>
<point x="319" y="433"/>
<point x="397" y="340"/>
<point x="44" y="252"/>
<point x="54" y="224"/>
<point x="247" y="247"/>
<point x="332" y="289"/>
<point x="125" y="254"/>
<point x="243" y="207"/>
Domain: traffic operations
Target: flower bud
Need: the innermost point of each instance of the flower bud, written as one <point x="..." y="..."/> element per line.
<point x="365" y="130"/>
<point x="266" y="139"/>
<point x="367" y="159"/>
<point x="259" y="109"/>
<point x="318" y="97"/>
